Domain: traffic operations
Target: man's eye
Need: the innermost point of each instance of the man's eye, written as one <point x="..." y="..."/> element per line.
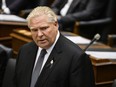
<point x="44" y="28"/>
<point x="34" y="30"/>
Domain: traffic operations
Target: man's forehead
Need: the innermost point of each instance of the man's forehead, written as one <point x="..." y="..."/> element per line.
<point x="39" y="19"/>
<point x="39" y="24"/>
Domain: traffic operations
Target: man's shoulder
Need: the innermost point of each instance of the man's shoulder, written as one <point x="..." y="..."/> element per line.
<point x="68" y="44"/>
<point x="29" y="45"/>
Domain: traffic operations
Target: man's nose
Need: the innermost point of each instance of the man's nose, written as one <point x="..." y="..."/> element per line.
<point x="40" y="33"/>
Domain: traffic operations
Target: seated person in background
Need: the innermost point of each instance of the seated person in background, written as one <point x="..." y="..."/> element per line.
<point x="69" y="11"/>
<point x="3" y="62"/>
<point x="15" y="6"/>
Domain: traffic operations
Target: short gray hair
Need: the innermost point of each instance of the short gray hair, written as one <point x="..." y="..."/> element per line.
<point x="43" y="10"/>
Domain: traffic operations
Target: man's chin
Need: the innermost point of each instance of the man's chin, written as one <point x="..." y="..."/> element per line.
<point x="43" y="45"/>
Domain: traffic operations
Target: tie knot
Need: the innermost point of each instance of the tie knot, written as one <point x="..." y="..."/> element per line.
<point x="43" y="52"/>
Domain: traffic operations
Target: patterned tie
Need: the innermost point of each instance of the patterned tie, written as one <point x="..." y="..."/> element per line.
<point x="36" y="71"/>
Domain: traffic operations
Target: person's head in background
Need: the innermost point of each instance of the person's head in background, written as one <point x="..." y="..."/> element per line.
<point x="43" y="25"/>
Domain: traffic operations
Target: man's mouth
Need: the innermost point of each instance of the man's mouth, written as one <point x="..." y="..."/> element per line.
<point x="42" y="41"/>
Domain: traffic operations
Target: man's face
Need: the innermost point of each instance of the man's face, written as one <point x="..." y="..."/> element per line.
<point x="43" y="32"/>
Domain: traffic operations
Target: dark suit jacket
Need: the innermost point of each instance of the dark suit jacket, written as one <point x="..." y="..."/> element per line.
<point x="71" y="66"/>
<point x="3" y="62"/>
<point x="80" y="10"/>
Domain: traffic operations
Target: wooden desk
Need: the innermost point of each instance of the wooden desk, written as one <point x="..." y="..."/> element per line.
<point x="19" y="38"/>
<point x="104" y="70"/>
<point x="6" y="28"/>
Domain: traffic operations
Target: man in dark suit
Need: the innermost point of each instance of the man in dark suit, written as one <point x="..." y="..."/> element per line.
<point x="3" y="62"/>
<point x="79" y="10"/>
<point x="64" y="65"/>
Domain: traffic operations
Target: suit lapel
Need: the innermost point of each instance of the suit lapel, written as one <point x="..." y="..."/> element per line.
<point x="50" y="64"/>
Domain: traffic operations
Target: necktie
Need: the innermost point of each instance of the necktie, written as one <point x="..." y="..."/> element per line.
<point x="36" y="71"/>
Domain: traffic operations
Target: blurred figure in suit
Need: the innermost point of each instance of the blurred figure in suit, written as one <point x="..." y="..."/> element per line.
<point x="69" y="11"/>
<point x="15" y="6"/>
<point x="3" y="62"/>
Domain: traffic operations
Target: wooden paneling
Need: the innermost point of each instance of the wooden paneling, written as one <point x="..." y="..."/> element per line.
<point x="6" y="28"/>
